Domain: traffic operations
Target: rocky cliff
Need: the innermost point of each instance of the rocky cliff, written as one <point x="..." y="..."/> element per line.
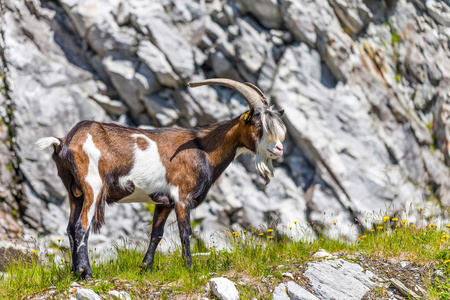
<point x="364" y="85"/>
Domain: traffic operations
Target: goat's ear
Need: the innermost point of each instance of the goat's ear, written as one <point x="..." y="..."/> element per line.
<point x="281" y="112"/>
<point x="248" y="116"/>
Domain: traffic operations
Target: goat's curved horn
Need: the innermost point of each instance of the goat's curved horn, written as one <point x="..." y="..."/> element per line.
<point x="251" y="93"/>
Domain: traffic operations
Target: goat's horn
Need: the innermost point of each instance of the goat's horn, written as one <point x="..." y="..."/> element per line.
<point x="251" y="93"/>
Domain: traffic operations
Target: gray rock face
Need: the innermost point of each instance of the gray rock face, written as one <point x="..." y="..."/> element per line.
<point x="364" y="86"/>
<point x="223" y="289"/>
<point x="167" y="38"/>
<point x="339" y="279"/>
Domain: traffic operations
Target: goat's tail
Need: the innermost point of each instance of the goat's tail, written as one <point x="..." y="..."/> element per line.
<point x="99" y="216"/>
<point x="43" y="143"/>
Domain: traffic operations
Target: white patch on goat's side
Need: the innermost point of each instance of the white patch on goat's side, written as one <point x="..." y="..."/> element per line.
<point x="148" y="175"/>
<point x="241" y="150"/>
<point x="43" y="143"/>
<point x="93" y="177"/>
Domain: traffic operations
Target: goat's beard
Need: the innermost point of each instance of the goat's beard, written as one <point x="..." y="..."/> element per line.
<point x="264" y="167"/>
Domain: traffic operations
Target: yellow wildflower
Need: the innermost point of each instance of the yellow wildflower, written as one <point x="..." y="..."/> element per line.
<point x="262" y="233"/>
<point x="394" y="219"/>
<point x="404" y="221"/>
<point x="448" y="225"/>
<point x="397" y="225"/>
<point x="379" y="227"/>
<point x="372" y="230"/>
<point x="159" y="243"/>
<point x="295" y="222"/>
<point x="59" y="240"/>
<point x="447" y="261"/>
<point x="359" y="239"/>
<point x="445" y="236"/>
<point x="270" y="237"/>
<point x="412" y="225"/>
<point x="34" y="251"/>
<point x="364" y="236"/>
<point x="386" y="218"/>
<point x="269" y="230"/>
<point x="212" y="250"/>
<point x="431" y="225"/>
<point x="244" y="231"/>
<point x="334" y="223"/>
<point x="290" y="227"/>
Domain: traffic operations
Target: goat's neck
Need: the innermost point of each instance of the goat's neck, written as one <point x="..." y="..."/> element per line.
<point x="221" y="142"/>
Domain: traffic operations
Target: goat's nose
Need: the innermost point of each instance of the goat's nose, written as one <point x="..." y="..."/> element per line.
<point x="279" y="147"/>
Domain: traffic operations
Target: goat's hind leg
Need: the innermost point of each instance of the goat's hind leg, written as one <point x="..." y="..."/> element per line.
<point x="159" y="219"/>
<point x="76" y="205"/>
<point x="86" y="218"/>
<point x="78" y="237"/>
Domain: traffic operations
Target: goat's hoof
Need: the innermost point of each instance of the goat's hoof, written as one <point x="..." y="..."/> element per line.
<point x="146" y="268"/>
<point x="84" y="272"/>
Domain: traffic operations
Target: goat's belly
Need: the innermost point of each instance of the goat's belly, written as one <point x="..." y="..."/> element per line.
<point x="138" y="195"/>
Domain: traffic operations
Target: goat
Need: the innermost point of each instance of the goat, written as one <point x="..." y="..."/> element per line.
<point x="172" y="168"/>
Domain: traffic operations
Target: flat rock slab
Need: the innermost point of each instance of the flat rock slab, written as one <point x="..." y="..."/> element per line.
<point x="223" y="288"/>
<point x="339" y="279"/>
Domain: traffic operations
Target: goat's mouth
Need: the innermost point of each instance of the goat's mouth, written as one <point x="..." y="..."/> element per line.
<point x="276" y="155"/>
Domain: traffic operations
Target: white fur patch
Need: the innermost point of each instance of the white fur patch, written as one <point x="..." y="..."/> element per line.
<point x="93" y="177"/>
<point x="148" y="175"/>
<point x="43" y="143"/>
<point x="241" y="150"/>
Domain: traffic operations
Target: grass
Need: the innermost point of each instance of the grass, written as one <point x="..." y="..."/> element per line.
<point x="253" y="255"/>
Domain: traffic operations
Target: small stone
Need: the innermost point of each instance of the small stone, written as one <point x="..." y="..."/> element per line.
<point x="438" y="275"/>
<point x="322" y="253"/>
<point x="280" y="292"/>
<point x="295" y="291"/>
<point x="223" y="288"/>
<point x="122" y="295"/>
<point x="75" y="284"/>
<point x="404" y="290"/>
<point x="87" y="294"/>
<point x="287" y="274"/>
<point x="404" y="263"/>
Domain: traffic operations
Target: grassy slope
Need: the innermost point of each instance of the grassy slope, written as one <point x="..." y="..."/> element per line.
<point x="254" y="255"/>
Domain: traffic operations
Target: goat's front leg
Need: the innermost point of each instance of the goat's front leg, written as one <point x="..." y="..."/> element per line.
<point x="184" y="225"/>
<point x="159" y="219"/>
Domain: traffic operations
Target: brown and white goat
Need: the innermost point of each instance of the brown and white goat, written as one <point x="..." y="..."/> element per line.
<point x="172" y="168"/>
